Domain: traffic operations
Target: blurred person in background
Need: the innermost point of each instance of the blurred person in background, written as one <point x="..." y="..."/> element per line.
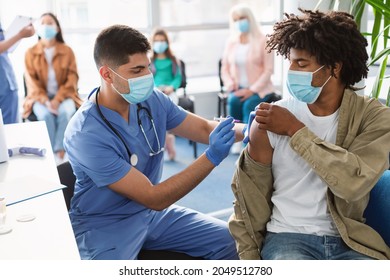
<point x="246" y="66"/>
<point x="51" y="80"/>
<point x="167" y="76"/>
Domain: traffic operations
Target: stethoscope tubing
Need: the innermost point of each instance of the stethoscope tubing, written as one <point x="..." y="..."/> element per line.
<point x="132" y="156"/>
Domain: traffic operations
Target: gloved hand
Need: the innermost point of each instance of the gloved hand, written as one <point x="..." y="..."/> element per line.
<point x="220" y="141"/>
<point x="247" y="127"/>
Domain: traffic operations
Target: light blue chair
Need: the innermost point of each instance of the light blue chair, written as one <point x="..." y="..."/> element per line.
<point x="377" y="212"/>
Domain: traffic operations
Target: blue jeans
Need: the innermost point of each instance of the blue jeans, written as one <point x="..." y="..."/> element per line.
<point x="56" y="125"/>
<point x="298" y="246"/>
<point x="241" y="110"/>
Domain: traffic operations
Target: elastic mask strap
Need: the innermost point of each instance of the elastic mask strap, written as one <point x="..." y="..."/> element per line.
<point x="326" y="81"/>
<point x="112" y="85"/>
<point x="116" y="73"/>
<point x="318" y="69"/>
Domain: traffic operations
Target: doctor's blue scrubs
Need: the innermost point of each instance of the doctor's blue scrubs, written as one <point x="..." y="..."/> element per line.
<point x="108" y="225"/>
<point x="8" y="88"/>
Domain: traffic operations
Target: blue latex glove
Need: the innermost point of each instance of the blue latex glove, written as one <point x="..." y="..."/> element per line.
<point x="220" y="141"/>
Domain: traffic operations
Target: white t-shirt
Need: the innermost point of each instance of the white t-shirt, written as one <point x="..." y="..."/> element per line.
<point x="299" y="195"/>
<point x="241" y="61"/>
<point x="52" y="86"/>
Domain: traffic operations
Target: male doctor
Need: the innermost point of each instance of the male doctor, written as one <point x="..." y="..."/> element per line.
<point x="115" y="143"/>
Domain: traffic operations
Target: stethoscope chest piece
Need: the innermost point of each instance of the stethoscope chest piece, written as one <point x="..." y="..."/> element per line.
<point x="133" y="159"/>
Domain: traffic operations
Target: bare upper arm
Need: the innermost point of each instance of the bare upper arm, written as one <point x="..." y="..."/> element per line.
<point x="259" y="147"/>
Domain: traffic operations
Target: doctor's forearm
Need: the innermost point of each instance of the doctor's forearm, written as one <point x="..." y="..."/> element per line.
<point x="174" y="188"/>
<point x="6" y="44"/>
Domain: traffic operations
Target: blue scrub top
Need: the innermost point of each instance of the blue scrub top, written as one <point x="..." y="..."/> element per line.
<point x="99" y="158"/>
<point x="7" y="76"/>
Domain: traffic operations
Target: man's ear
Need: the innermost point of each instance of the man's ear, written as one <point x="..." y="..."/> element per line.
<point x="337" y="69"/>
<point x="106" y="74"/>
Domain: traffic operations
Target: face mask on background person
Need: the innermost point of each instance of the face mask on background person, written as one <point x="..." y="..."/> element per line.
<point x="46" y="31"/>
<point x="140" y="88"/>
<point x="299" y="85"/>
<point x="242" y="25"/>
<point x="160" y="46"/>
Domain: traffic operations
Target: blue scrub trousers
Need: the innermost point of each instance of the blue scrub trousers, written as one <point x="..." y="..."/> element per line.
<point x="174" y="229"/>
<point x="56" y="125"/>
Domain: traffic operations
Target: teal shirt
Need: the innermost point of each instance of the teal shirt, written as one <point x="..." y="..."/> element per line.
<point x="164" y="76"/>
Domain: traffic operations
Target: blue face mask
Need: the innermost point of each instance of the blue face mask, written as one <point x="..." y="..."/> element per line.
<point x="46" y="31"/>
<point x="140" y="88"/>
<point x="299" y="85"/>
<point x="160" y="46"/>
<point x="242" y="25"/>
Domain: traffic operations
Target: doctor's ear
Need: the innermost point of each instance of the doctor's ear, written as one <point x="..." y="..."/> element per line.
<point x="105" y="73"/>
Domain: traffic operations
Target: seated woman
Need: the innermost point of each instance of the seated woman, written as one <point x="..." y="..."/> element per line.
<point x="167" y="75"/>
<point x="246" y="66"/>
<point x="51" y="81"/>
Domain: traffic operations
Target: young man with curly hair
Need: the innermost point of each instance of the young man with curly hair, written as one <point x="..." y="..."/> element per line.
<point x="303" y="182"/>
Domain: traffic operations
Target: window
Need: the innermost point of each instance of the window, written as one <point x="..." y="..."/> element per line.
<point x="198" y="28"/>
<point x="201" y="12"/>
<point x="92" y="14"/>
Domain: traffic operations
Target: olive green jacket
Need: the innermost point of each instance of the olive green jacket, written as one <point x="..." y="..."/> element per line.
<point x="350" y="168"/>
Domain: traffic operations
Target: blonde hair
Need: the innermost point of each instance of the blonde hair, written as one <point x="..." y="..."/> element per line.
<point x="243" y="10"/>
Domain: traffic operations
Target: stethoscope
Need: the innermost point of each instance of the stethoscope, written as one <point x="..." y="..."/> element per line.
<point x="133" y="157"/>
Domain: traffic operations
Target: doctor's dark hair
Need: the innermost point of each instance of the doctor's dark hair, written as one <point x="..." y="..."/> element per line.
<point x="331" y="37"/>
<point x="115" y="44"/>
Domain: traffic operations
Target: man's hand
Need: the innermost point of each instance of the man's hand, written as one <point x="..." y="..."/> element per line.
<point x="277" y="119"/>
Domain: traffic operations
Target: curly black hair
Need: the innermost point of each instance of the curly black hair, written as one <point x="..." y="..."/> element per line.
<point x="331" y="37"/>
<point x="116" y="43"/>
